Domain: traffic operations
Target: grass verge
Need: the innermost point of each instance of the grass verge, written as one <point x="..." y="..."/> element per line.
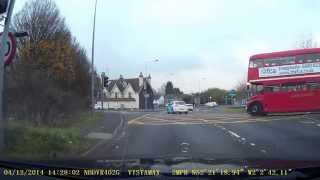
<point x="26" y="141"/>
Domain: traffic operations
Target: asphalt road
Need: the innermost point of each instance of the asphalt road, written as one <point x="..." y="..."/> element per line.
<point x="213" y="133"/>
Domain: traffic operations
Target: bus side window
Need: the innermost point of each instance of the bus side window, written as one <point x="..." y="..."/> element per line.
<point x="259" y="88"/>
<point x="273" y="88"/>
<point x="313" y="86"/>
<point x="304" y="87"/>
<point x="276" y="88"/>
<point x="268" y="89"/>
<point x="289" y="87"/>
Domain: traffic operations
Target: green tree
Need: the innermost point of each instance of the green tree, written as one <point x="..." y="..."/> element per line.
<point x="187" y="98"/>
<point x="177" y="92"/>
<point x="169" y="88"/>
<point x="216" y="94"/>
<point x="50" y="77"/>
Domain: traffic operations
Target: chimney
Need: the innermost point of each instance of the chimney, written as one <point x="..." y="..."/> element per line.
<point x="140" y="79"/>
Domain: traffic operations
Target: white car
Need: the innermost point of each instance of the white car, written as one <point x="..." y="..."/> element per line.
<point x="190" y="107"/>
<point x="177" y="107"/>
<point x="211" y="104"/>
<point x="97" y="106"/>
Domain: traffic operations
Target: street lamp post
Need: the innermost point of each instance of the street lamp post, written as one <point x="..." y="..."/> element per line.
<point x="92" y="58"/>
<point x="146" y="64"/>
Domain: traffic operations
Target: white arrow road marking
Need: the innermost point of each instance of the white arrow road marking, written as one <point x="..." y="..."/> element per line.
<point x="234" y="134"/>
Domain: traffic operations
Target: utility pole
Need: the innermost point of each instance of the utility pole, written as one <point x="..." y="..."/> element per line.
<point x="3" y="41"/>
<point x="92" y="59"/>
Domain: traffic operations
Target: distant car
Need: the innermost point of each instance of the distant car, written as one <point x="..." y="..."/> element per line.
<point x="211" y="104"/>
<point x="190" y="107"/>
<point x="177" y="107"/>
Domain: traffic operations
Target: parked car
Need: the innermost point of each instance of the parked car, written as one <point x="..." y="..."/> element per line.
<point x="211" y="104"/>
<point x="97" y="106"/>
<point x="177" y="107"/>
<point x="190" y="107"/>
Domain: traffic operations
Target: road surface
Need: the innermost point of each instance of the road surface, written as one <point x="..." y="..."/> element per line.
<point x="214" y="133"/>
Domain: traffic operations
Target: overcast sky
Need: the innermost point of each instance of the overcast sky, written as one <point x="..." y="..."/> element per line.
<point x="199" y="43"/>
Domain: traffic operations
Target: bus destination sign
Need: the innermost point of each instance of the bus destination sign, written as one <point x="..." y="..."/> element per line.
<point x="294" y="69"/>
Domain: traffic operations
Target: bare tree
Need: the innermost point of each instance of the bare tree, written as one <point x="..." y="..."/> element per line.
<point x="306" y="41"/>
<point x="241" y="89"/>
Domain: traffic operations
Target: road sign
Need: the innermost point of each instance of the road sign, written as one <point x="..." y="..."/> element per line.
<point x="232" y="93"/>
<point x="10" y="50"/>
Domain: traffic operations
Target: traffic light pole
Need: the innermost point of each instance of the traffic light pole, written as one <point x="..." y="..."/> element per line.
<point x="3" y="41"/>
<point x="102" y="97"/>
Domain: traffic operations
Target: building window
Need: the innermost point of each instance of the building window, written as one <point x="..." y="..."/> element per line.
<point x="130" y="96"/>
<point x="116" y="95"/>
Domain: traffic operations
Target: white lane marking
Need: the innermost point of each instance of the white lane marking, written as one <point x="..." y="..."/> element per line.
<point x="252" y="144"/>
<point x="243" y="139"/>
<point x="311" y="118"/>
<point x="234" y="134"/>
<point x="318" y="125"/>
<point x="137" y="118"/>
<point x="263" y="151"/>
<point x="307" y="122"/>
<point x="223" y="128"/>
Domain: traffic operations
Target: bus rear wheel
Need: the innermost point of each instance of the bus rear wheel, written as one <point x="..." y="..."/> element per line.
<point x="255" y="109"/>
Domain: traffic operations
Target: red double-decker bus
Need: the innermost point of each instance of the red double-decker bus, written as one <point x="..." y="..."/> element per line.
<point x="287" y="81"/>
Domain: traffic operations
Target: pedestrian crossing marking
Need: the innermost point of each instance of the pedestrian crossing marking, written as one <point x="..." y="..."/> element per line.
<point x="157" y="119"/>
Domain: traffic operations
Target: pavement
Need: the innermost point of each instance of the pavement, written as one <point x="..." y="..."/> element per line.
<point x="214" y="133"/>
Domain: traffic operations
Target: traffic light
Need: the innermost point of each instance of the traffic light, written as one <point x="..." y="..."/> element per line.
<point x="3" y="6"/>
<point x="105" y="81"/>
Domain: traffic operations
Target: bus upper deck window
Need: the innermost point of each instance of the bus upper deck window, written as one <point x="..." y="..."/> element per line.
<point x="251" y="64"/>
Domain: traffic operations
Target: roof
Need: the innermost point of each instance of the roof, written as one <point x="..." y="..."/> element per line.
<point x="285" y="53"/>
<point x="122" y="84"/>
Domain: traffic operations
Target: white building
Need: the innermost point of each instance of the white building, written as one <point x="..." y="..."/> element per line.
<point x="134" y="93"/>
